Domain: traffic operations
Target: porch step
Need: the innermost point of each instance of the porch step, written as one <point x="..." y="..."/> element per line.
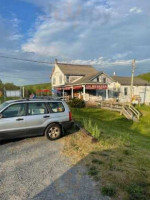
<point x="131" y="113"/>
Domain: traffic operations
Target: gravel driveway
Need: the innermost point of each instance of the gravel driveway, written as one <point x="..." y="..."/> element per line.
<point x="35" y="168"/>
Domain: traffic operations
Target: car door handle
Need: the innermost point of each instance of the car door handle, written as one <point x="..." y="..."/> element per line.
<point x="46" y="116"/>
<point x="19" y="119"/>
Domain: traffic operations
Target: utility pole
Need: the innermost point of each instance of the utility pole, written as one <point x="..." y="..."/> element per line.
<point x="4" y="94"/>
<point x="23" y="92"/>
<point x="132" y="78"/>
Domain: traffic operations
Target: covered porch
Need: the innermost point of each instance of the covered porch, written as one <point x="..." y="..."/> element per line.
<point x="86" y="92"/>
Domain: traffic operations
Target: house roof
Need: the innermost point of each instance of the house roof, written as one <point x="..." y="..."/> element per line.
<point x="77" y="70"/>
<point x="127" y="81"/>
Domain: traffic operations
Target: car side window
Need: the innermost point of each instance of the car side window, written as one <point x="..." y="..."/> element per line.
<point x="56" y="107"/>
<point x="37" y="108"/>
<point x="16" y="110"/>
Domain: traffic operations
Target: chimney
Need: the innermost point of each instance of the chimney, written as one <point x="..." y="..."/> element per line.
<point x="114" y="74"/>
<point x="56" y="61"/>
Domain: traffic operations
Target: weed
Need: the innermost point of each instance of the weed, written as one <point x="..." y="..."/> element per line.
<point x="112" y="166"/>
<point x="93" y="171"/>
<point x="96" y="161"/>
<point x="126" y="152"/>
<point x="136" y="192"/>
<point x="120" y="160"/>
<point x="97" y="178"/>
<point x="108" y="190"/>
<point x="104" y="154"/>
<point x="91" y="126"/>
<point x="93" y="152"/>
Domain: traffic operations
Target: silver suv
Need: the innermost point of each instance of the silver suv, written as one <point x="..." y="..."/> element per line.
<point x="23" y="118"/>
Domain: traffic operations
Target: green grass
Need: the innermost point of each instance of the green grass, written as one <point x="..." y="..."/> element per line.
<point x="123" y="148"/>
<point x="113" y="128"/>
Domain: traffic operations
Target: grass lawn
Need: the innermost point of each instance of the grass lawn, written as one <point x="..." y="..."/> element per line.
<point x="120" y="160"/>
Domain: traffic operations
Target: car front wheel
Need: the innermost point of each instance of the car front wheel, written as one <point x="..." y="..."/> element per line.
<point x="53" y="132"/>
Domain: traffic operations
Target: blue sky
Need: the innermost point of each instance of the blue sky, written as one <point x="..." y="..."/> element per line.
<point x="105" y="33"/>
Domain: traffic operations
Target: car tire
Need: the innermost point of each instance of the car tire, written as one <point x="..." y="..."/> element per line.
<point x="53" y="132"/>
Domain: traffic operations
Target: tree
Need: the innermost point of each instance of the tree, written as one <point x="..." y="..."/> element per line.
<point x="1" y="85"/>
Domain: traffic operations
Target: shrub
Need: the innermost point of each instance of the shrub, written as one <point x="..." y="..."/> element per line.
<point x="77" y="103"/>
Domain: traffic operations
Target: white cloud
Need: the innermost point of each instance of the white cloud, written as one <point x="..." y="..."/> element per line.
<point x="79" y="31"/>
<point x="65" y="28"/>
<point x="135" y="10"/>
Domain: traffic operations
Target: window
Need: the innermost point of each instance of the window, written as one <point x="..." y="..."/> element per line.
<point x="56" y="107"/>
<point x="60" y="79"/>
<point x="104" y="80"/>
<point x="54" y="80"/>
<point x="16" y="110"/>
<point x="126" y="91"/>
<point x="67" y="79"/>
<point x="98" y="79"/>
<point x="37" y="108"/>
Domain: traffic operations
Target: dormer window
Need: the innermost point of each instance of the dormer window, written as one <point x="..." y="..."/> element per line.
<point x="67" y="79"/>
<point x="104" y="80"/>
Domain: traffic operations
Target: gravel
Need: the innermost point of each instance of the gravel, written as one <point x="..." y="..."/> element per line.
<point x="35" y="168"/>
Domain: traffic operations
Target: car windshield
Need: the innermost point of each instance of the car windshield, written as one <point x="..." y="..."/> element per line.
<point x="3" y="105"/>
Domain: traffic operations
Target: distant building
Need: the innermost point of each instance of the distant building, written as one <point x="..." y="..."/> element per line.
<point x="85" y="82"/>
<point x="141" y="89"/>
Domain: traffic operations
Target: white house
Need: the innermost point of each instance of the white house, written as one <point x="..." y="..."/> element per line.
<point x="85" y="82"/>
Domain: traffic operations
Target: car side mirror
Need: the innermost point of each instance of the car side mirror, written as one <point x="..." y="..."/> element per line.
<point x="1" y="116"/>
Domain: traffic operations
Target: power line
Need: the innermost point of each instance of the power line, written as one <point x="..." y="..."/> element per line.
<point x="26" y="60"/>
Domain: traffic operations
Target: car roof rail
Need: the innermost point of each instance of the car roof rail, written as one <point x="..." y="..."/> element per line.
<point x="44" y="98"/>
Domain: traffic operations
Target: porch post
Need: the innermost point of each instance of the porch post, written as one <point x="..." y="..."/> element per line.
<point x="83" y="92"/>
<point x="72" y="92"/>
<point x="63" y="93"/>
<point x="107" y="94"/>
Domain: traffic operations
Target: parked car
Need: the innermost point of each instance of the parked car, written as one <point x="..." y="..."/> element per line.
<point x="23" y="118"/>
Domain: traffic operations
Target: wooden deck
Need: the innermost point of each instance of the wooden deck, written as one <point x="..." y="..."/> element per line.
<point x="129" y="111"/>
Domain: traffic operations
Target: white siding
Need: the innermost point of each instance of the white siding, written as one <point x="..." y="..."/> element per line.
<point x="141" y="91"/>
<point x="58" y="77"/>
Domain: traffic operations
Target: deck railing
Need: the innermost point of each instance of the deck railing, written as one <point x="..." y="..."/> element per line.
<point x="129" y="111"/>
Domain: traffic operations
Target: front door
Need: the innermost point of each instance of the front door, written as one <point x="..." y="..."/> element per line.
<point x="12" y="124"/>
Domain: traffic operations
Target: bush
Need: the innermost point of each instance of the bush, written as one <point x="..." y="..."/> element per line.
<point x="77" y="103"/>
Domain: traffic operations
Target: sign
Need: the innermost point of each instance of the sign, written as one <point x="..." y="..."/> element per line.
<point x="96" y="87"/>
<point x="67" y="88"/>
<point x="78" y="87"/>
<point x="13" y="93"/>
